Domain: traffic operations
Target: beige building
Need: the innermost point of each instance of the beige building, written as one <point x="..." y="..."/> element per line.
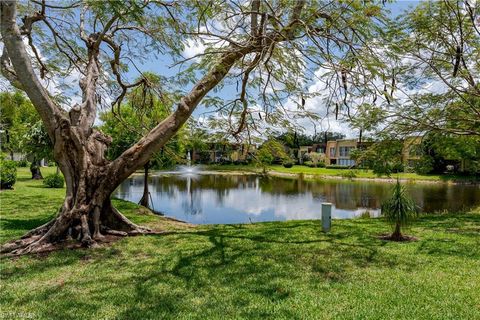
<point x="338" y="152"/>
<point x="411" y="151"/>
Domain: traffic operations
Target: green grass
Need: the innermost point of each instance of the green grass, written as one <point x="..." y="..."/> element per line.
<point x="277" y="270"/>
<point x="328" y="172"/>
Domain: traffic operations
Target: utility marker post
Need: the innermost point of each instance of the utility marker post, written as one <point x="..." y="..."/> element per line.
<point x="326" y="216"/>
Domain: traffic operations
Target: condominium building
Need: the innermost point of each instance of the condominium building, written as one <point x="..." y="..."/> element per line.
<point x="338" y="152"/>
<point x="411" y="151"/>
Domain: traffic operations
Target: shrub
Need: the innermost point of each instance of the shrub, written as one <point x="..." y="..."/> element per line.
<point x="336" y="166"/>
<point x="22" y="163"/>
<point x="308" y="164"/>
<point x="399" y="211"/>
<point x="288" y="164"/>
<point x="350" y="174"/>
<point x="381" y="168"/>
<point x="53" y="181"/>
<point x="365" y="215"/>
<point x="8" y="174"/>
<point x="226" y="161"/>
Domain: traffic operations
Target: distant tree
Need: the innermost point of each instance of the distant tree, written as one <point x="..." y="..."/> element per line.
<point x="316" y="158"/>
<point x="399" y="211"/>
<point x="37" y="144"/>
<point x="268" y="153"/>
<point x="17" y="117"/>
<point x="295" y="139"/>
<point x="23" y="130"/>
<point x="384" y="157"/>
<point x="196" y="139"/>
<point x="442" y="148"/>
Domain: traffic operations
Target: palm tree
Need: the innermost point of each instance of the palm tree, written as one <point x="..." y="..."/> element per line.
<point x="399" y="211"/>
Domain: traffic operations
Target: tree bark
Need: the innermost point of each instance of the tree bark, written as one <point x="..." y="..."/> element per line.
<point x="87" y="213"/>
<point x="35" y="170"/>
<point x="144" y="201"/>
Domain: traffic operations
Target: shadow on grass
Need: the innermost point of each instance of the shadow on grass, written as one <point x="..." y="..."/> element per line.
<point x="257" y="270"/>
<point x="259" y="267"/>
<point x="22" y="224"/>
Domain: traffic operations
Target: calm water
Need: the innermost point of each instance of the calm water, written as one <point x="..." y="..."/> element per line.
<point x="237" y="199"/>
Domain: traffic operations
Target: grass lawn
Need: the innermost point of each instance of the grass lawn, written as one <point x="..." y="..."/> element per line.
<point x="278" y="270"/>
<point x="326" y="172"/>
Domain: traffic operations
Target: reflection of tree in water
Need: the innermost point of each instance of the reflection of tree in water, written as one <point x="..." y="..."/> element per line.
<point x="440" y="197"/>
<point x="278" y="186"/>
<point x="349" y="195"/>
<point x="127" y="187"/>
<point x="192" y="187"/>
<point x="345" y="195"/>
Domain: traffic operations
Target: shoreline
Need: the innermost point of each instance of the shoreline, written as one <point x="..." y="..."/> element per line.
<point x="311" y="176"/>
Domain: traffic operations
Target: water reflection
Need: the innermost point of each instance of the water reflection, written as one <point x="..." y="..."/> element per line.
<point x="235" y="199"/>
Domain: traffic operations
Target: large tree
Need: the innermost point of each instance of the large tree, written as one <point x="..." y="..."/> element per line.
<point x="274" y="45"/>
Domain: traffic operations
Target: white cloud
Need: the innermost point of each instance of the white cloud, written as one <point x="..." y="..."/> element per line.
<point x="193" y="48"/>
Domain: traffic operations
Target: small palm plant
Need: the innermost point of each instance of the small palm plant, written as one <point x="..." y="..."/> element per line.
<point x="399" y="211"/>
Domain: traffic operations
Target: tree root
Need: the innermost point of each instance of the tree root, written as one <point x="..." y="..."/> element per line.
<point x="45" y="238"/>
<point x="30" y="246"/>
<point x="39" y="230"/>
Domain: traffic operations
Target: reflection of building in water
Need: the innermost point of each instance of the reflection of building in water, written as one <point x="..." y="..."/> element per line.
<point x="235" y="199"/>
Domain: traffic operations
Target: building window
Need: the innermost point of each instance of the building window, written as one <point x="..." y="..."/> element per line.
<point x="346" y="162"/>
<point x="345" y="151"/>
<point x="332" y="152"/>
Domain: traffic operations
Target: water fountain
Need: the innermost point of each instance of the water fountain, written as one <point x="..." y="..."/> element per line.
<point x="188" y="169"/>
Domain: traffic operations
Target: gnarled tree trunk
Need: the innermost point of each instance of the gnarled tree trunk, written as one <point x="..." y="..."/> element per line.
<point x="87" y="212"/>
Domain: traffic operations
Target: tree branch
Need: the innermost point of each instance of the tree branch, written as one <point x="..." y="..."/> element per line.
<point x="141" y="152"/>
<point x="21" y="62"/>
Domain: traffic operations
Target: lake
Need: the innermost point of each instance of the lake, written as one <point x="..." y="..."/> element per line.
<point x="216" y="198"/>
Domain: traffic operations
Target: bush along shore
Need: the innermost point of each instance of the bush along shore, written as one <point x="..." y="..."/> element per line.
<point x="344" y="173"/>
